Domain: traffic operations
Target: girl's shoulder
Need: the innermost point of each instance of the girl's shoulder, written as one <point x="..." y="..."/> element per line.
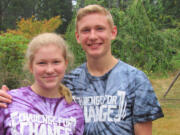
<point x="22" y="91"/>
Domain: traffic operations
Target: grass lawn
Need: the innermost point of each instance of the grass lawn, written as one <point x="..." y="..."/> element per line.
<point x="170" y="124"/>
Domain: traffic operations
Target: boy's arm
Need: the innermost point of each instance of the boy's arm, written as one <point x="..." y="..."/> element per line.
<point x="2" y="118"/>
<point x="144" y="128"/>
<point x="4" y="97"/>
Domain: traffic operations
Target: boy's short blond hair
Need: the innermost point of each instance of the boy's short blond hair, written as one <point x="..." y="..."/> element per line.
<point x="90" y="9"/>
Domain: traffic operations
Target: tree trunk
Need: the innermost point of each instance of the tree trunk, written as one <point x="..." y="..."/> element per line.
<point x="110" y="2"/>
<point x="0" y="15"/>
<point x="82" y="4"/>
<point x="118" y="3"/>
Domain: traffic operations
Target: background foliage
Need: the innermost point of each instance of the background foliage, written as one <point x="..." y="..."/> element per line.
<point x="140" y="41"/>
<point x="14" y="10"/>
<point x="31" y="27"/>
<point x="13" y="45"/>
<point x="148" y="32"/>
<point x="11" y="59"/>
<point x="73" y="45"/>
<point x="148" y="38"/>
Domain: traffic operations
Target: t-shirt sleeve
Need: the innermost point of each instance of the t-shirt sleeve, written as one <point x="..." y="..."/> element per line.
<point x="1" y="121"/>
<point x="146" y="106"/>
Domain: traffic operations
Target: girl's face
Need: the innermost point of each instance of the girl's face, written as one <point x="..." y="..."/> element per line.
<point x="48" y="67"/>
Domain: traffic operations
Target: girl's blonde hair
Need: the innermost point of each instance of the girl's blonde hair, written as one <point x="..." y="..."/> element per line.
<point x="90" y="9"/>
<point x="46" y="39"/>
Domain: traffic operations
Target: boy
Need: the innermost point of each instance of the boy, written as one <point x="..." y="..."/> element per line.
<point x="117" y="98"/>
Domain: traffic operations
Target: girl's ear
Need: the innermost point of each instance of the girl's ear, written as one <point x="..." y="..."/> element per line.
<point x="66" y="62"/>
<point x="30" y="68"/>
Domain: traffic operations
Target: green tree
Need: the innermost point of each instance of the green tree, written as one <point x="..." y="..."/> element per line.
<point x="12" y="49"/>
<point x="172" y="7"/>
<point x="165" y="14"/>
<point x="139" y="42"/>
<point x="12" y="10"/>
<point x="50" y="8"/>
<point x="73" y="45"/>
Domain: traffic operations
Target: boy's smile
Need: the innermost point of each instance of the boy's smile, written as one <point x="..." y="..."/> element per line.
<point x="95" y="35"/>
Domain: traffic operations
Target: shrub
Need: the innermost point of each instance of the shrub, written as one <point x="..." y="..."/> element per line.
<point x="139" y="43"/>
<point x="73" y="45"/>
<point x="13" y="45"/>
<point x="31" y="27"/>
<point x="12" y="49"/>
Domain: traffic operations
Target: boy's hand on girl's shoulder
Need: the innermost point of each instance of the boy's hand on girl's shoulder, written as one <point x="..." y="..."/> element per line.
<point x="4" y="96"/>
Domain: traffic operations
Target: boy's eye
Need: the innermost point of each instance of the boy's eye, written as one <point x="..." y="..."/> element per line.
<point x="85" y="30"/>
<point x="100" y="28"/>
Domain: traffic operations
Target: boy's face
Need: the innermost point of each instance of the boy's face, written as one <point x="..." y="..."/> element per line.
<point x="94" y="33"/>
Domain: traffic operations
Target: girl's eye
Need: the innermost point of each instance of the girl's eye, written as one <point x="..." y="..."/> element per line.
<point x="41" y="63"/>
<point x="56" y="62"/>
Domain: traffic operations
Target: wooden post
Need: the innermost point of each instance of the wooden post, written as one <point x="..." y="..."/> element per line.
<point x="172" y="84"/>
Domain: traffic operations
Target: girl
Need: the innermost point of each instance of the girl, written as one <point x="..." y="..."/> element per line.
<point x="45" y="107"/>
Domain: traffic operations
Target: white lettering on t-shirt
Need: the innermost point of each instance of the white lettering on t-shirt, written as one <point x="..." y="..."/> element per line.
<point x="103" y="108"/>
<point x="35" y="124"/>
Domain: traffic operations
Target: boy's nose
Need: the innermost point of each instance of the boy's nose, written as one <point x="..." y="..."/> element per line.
<point x="92" y="34"/>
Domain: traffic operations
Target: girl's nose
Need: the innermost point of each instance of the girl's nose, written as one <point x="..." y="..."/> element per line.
<point x="49" y="69"/>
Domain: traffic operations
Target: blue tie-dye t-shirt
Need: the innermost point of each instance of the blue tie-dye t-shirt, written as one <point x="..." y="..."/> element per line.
<point x="31" y="114"/>
<point x="113" y="103"/>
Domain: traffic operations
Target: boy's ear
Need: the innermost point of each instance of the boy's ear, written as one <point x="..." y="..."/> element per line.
<point x="77" y="36"/>
<point x="114" y="32"/>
